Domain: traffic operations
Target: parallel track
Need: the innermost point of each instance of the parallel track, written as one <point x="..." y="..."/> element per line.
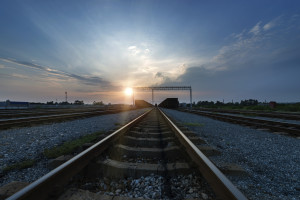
<point x="8" y="114"/>
<point x="290" y="128"/>
<point x="37" y="118"/>
<point x="149" y="144"/>
<point x="275" y="114"/>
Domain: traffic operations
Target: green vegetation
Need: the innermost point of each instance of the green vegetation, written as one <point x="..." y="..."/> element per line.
<point x="71" y="146"/>
<point x="193" y="124"/>
<point x="100" y="103"/>
<point x="20" y="165"/>
<point x="250" y="104"/>
<point x="288" y="107"/>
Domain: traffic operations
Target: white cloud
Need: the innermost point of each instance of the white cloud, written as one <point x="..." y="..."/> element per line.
<point x="256" y="29"/>
<point x="268" y="26"/>
<point x="88" y="80"/>
<point x="253" y="46"/>
<point x="272" y="23"/>
<point x="239" y="35"/>
<point x="134" y="50"/>
<point x="130" y="48"/>
<point x="246" y="45"/>
<point x="15" y="75"/>
<point x="147" y="51"/>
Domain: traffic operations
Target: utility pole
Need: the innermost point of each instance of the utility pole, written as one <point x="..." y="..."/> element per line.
<point x="66" y="96"/>
<point x="132" y="97"/>
<point x="152" y="97"/>
<point x="191" y="98"/>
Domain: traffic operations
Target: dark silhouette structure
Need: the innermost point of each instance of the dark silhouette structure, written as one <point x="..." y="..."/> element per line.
<point x="169" y="103"/>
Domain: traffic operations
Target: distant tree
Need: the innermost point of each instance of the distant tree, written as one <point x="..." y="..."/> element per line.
<point x="205" y="103"/>
<point x="50" y="103"/>
<point x="64" y="103"/>
<point x="199" y="103"/>
<point x="249" y="102"/>
<point x="229" y="104"/>
<point x="77" y="102"/>
<point x="98" y="103"/>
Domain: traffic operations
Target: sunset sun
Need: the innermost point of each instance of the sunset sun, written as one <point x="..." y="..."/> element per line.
<point x="128" y="91"/>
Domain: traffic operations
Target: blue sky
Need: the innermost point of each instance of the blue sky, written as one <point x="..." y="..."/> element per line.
<point x="229" y="50"/>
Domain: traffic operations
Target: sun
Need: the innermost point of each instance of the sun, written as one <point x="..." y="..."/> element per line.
<point x="128" y="91"/>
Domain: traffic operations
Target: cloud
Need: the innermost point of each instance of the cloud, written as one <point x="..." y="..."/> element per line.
<point x="261" y="62"/>
<point x="171" y="76"/>
<point x="85" y="79"/>
<point x="2" y="66"/>
<point x="143" y="52"/>
<point x="15" y="75"/>
<point x="269" y="25"/>
<point x="130" y="48"/>
<point x="146" y="51"/>
<point x="272" y="23"/>
<point x="256" y="29"/>
<point x="162" y="76"/>
<point x="134" y="50"/>
<point x="247" y="45"/>
<point x="249" y="48"/>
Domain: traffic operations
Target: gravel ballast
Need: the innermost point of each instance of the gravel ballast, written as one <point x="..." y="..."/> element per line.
<point x="272" y="161"/>
<point x="26" y="143"/>
<point x="152" y="187"/>
<point x="264" y="118"/>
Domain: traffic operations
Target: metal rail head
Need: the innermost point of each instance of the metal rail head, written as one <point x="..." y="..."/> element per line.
<point x="222" y="186"/>
<point x="47" y="185"/>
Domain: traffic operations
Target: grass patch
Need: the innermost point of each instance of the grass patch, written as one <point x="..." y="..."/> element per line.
<point x="280" y="107"/>
<point x="69" y="147"/>
<point x="249" y="115"/>
<point x="193" y="124"/>
<point x="20" y="165"/>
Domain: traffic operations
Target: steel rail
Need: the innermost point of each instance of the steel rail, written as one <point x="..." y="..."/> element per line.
<point x="57" y="178"/>
<point x="221" y="185"/>
<point x="292" y="129"/>
<point x="48" y="184"/>
<point x="33" y="113"/>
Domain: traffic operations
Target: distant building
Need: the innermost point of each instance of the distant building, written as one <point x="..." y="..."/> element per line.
<point x="2" y="104"/>
<point x="272" y="104"/>
<point x="14" y="104"/>
<point x="169" y="103"/>
<point x="142" y="104"/>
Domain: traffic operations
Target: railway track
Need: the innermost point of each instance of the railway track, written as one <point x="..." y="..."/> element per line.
<point x="37" y="118"/>
<point x="280" y="115"/>
<point x="291" y="129"/>
<point x="19" y="113"/>
<point x="149" y="146"/>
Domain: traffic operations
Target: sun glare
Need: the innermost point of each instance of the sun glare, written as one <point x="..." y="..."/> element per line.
<point x="128" y="91"/>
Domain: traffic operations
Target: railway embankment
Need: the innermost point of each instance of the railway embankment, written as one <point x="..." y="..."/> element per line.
<point x="26" y="145"/>
<point x="148" y="148"/>
<point x="271" y="161"/>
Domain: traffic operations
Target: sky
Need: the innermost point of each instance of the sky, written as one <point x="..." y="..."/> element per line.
<point x="225" y="50"/>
